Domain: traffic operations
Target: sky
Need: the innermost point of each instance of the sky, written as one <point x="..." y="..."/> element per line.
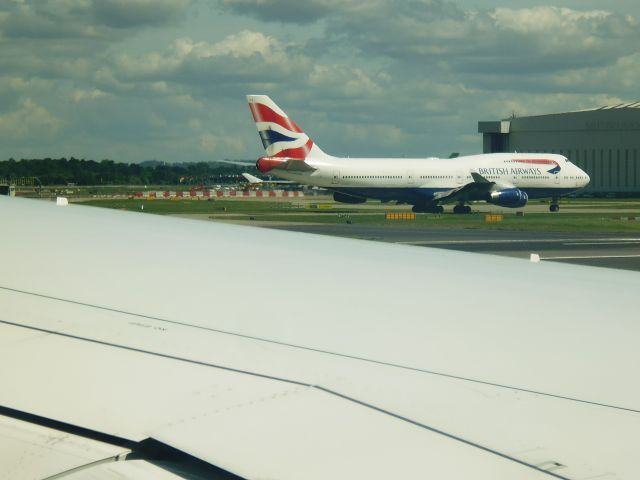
<point x="136" y="80"/>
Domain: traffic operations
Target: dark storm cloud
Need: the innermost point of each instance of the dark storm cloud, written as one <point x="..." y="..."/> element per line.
<point x="137" y="13"/>
<point x="46" y="20"/>
<point x="284" y="11"/>
<point x="91" y="19"/>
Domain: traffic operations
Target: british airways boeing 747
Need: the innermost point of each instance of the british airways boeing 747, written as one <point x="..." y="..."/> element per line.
<point x="504" y="179"/>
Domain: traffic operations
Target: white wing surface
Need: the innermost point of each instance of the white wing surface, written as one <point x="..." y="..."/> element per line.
<point x="125" y="352"/>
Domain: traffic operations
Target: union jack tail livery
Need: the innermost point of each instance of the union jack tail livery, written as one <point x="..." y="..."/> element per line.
<point x="281" y="137"/>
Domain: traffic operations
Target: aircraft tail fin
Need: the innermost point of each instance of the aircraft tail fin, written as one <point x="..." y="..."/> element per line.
<point x="281" y="137"/>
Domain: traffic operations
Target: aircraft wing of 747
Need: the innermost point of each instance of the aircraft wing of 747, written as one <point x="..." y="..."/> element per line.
<point x="504" y="179"/>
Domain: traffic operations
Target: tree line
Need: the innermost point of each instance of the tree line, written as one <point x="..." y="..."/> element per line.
<point x="63" y="171"/>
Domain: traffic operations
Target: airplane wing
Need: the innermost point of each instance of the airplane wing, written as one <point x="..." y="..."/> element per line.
<point x="476" y="190"/>
<point x="123" y="354"/>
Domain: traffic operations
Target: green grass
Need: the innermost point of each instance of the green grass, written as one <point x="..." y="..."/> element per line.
<point x="604" y="205"/>
<point x="221" y="207"/>
<point x="285" y="211"/>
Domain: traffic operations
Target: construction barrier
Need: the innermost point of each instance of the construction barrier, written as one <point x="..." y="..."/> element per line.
<point x="207" y="194"/>
<point x="400" y="216"/>
<point x="493" y="218"/>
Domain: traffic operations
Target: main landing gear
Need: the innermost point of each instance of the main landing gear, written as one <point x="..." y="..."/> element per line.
<point x="462" y="209"/>
<point x="427" y="209"/>
<point x="554" y="207"/>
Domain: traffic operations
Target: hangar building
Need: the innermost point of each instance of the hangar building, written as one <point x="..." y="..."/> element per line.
<point x="604" y="142"/>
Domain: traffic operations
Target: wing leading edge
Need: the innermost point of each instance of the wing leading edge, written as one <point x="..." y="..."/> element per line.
<point x="479" y="189"/>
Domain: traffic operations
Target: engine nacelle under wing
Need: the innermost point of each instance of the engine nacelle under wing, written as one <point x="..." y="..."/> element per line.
<point x="508" y="197"/>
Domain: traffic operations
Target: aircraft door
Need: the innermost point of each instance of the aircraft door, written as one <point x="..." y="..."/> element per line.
<point x="409" y="177"/>
<point x="459" y="177"/>
<point x="336" y="177"/>
<point x="557" y="179"/>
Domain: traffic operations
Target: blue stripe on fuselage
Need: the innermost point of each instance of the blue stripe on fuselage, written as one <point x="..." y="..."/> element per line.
<point x="416" y="195"/>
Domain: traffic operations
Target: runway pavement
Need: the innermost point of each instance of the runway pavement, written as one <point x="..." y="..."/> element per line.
<point x="600" y="250"/>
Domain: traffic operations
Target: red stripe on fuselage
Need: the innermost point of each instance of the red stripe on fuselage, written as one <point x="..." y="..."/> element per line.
<point x="262" y="113"/>
<point x="538" y="161"/>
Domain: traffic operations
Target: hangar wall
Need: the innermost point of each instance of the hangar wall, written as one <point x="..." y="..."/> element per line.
<point x="604" y="142"/>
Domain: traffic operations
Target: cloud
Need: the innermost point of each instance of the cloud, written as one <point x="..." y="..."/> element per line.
<point x="89" y="19"/>
<point x="87" y="95"/>
<point x="12" y="87"/>
<point x="345" y="80"/>
<point x="135" y="13"/>
<point x="231" y="66"/>
<point x="45" y="20"/>
<point x="166" y="79"/>
<point x="437" y="34"/>
<point x="69" y="39"/>
<point x="214" y="143"/>
<point x="241" y="45"/>
<point x="284" y="11"/>
<point x="29" y="120"/>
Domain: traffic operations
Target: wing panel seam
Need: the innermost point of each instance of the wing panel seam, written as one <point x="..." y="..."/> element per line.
<point x="294" y="382"/>
<point x="319" y="350"/>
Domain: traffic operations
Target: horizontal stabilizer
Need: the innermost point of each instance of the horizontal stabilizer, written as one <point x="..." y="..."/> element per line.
<point x="295" y="166"/>
<point x="251" y="179"/>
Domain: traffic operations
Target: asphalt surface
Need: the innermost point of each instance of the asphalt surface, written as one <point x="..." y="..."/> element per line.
<point x="600" y="250"/>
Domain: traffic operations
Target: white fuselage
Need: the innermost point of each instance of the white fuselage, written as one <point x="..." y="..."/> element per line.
<point x="539" y="175"/>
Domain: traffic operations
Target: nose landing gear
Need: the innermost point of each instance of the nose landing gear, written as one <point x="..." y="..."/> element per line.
<point x="554" y="207"/>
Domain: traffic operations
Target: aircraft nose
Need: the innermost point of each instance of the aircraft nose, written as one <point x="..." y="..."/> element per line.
<point x="585" y="179"/>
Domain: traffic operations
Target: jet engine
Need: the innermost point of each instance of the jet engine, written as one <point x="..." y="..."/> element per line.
<point x="344" y="198"/>
<point x="508" y="197"/>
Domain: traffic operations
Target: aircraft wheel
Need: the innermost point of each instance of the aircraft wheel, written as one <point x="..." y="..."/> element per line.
<point x="458" y="209"/>
<point x="437" y="209"/>
<point x="554" y="207"/>
<point x="467" y="209"/>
